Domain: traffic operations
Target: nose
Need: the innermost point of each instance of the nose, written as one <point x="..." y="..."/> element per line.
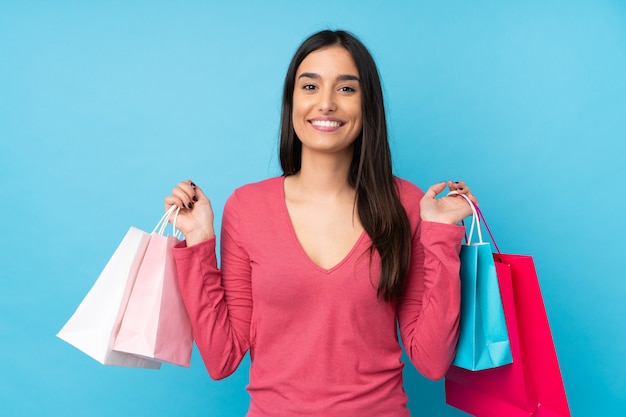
<point x="327" y="101"/>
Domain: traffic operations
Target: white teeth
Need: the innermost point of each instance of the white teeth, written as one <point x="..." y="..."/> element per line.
<point x="325" y="123"/>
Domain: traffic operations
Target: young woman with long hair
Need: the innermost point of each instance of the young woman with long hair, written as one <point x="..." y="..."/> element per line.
<point x="321" y="265"/>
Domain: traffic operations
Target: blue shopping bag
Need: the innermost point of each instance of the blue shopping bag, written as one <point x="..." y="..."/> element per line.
<point x="483" y="339"/>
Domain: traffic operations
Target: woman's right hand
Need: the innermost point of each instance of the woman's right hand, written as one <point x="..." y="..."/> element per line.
<point x="195" y="218"/>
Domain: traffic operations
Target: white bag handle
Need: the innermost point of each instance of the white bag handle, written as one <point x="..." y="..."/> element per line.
<point x="162" y="224"/>
<point x="475" y="218"/>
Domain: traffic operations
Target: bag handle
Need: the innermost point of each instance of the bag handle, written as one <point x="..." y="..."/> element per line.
<point x="475" y="218"/>
<point x="482" y="216"/>
<point x="478" y="214"/>
<point x="162" y="224"/>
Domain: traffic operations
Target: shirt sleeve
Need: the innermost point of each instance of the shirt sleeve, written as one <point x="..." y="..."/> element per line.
<point x="219" y="302"/>
<point x="428" y="312"/>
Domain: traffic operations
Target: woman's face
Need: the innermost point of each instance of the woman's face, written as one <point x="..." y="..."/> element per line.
<point x="327" y="101"/>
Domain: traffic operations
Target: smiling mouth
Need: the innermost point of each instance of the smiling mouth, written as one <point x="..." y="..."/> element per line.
<point x="326" y="123"/>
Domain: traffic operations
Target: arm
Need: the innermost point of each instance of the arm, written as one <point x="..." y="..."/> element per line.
<point x="219" y="303"/>
<point x="428" y="312"/>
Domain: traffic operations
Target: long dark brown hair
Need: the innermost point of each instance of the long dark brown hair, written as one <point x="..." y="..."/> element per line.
<point x="379" y="207"/>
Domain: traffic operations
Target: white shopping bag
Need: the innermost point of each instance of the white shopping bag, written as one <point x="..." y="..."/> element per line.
<point x="96" y="322"/>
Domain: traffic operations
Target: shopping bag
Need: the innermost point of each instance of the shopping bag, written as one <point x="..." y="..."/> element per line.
<point x="532" y="385"/>
<point x="483" y="338"/>
<point x="96" y="322"/>
<point x="156" y="324"/>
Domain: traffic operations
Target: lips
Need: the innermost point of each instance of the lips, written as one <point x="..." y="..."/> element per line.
<point x="326" y="125"/>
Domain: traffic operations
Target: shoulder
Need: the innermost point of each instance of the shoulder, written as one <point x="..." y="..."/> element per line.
<point x="260" y="187"/>
<point x="265" y="192"/>
<point x="410" y="197"/>
<point x="409" y="193"/>
<point x="250" y="207"/>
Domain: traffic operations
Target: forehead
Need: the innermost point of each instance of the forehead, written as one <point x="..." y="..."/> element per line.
<point x="329" y="61"/>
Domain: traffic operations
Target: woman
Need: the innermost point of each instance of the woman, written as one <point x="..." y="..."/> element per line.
<point x="318" y="264"/>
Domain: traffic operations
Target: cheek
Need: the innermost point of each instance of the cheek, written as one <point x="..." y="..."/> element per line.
<point x="355" y="110"/>
<point x="299" y="108"/>
<point x="358" y="117"/>
<point x="297" y="120"/>
<point x="296" y="115"/>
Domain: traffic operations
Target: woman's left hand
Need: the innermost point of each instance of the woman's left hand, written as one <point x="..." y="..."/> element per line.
<point x="449" y="209"/>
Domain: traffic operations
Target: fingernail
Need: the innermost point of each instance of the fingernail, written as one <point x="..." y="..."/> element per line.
<point x="190" y="205"/>
<point x="194" y="198"/>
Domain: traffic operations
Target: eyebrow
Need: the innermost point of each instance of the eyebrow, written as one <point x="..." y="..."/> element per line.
<point x="342" y="77"/>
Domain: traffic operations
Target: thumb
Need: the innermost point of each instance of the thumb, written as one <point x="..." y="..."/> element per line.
<point x="435" y="189"/>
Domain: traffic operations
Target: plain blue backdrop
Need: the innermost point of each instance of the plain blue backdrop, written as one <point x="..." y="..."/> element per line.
<point x="104" y="106"/>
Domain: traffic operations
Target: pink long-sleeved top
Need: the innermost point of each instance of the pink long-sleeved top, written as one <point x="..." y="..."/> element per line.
<point x="321" y="343"/>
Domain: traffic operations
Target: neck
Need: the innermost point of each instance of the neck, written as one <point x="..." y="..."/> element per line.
<point x="324" y="176"/>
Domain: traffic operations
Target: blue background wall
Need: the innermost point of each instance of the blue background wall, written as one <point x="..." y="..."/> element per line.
<point x="103" y="108"/>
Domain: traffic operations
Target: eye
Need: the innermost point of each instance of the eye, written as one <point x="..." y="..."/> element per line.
<point x="347" y="89"/>
<point x="308" y="87"/>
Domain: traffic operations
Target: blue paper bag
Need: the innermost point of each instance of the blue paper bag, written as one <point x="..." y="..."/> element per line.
<point x="483" y="340"/>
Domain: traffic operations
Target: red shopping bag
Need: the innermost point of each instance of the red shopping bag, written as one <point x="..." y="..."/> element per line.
<point x="532" y="385"/>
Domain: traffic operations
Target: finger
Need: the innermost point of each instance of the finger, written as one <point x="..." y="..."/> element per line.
<point x="457" y="186"/>
<point x="184" y="200"/>
<point x="178" y="200"/>
<point x="188" y="187"/>
<point x="193" y="191"/>
<point x="467" y="192"/>
<point x="198" y="197"/>
<point x="170" y="201"/>
<point x="435" y="189"/>
<point x="185" y="192"/>
<point x="199" y="194"/>
<point x="461" y="188"/>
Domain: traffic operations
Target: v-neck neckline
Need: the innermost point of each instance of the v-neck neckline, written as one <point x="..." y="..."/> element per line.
<point x="294" y="235"/>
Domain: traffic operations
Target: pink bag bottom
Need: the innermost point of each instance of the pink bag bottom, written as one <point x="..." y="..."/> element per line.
<point x="480" y="404"/>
